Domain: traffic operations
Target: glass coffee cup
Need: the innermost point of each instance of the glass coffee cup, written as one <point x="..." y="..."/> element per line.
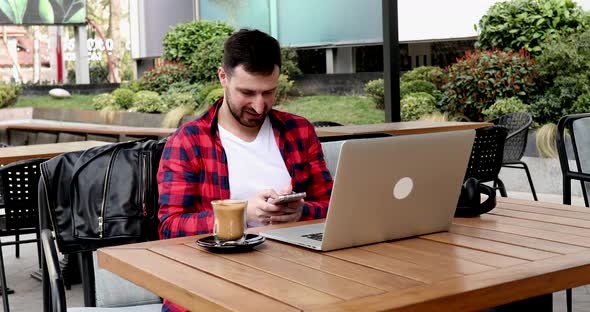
<point x="229" y="220"/>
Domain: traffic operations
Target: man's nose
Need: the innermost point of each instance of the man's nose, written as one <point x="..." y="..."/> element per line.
<point x="258" y="104"/>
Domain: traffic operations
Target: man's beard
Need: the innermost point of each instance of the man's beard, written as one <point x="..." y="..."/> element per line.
<point x="239" y="115"/>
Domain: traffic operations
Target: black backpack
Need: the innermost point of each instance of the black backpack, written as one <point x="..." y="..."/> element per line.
<point x="102" y="196"/>
<point x="470" y="204"/>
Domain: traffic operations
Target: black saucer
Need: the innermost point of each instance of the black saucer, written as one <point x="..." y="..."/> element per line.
<point x="210" y="243"/>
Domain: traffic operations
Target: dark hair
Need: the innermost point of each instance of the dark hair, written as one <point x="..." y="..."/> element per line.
<point x="256" y="51"/>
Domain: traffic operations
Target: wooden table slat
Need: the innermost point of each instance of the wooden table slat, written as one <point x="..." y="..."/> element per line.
<point x="315" y="279"/>
<point x="192" y="289"/>
<point x="513" y="239"/>
<point x="486" y="222"/>
<point x="425" y="259"/>
<point x="387" y="264"/>
<point x="506" y="202"/>
<point x="542" y="217"/>
<point x="368" y="276"/>
<point x="490" y="246"/>
<point x="553" y="227"/>
<point x="553" y="211"/>
<point x="15" y="153"/>
<point x="284" y="290"/>
<point x="473" y="255"/>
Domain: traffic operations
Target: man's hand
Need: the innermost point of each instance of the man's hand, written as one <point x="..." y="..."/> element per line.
<point x="261" y="211"/>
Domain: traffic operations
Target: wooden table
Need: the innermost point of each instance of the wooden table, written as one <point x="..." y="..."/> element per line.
<point x="521" y="249"/>
<point x="87" y="128"/>
<point x="12" y="154"/>
<point x="399" y="128"/>
<point x="393" y="128"/>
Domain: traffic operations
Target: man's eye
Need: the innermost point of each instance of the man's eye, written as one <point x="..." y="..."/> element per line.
<point x="247" y="92"/>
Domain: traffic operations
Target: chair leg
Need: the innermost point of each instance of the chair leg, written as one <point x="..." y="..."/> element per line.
<point x="567" y="191"/>
<point x="568" y="298"/>
<point x="17" y="245"/>
<point x="87" y="269"/>
<point x="39" y="254"/>
<point x="3" y="282"/>
<point x="501" y="187"/>
<point x="528" y="175"/>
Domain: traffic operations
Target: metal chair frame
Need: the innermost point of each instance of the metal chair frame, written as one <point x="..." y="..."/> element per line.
<point x="518" y="124"/>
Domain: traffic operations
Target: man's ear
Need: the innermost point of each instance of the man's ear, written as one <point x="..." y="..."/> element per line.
<point x="222" y="76"/>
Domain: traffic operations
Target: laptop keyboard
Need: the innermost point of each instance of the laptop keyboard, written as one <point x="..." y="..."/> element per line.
<point x="314" y="236"/>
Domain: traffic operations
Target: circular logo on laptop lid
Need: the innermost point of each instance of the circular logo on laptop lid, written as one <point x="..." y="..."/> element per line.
<point x="403" y="188"/>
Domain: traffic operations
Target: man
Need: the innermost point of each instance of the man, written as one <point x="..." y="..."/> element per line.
<point x="242" y="149"/>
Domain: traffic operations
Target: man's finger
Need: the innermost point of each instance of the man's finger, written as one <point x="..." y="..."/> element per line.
<point x="287" y="189"/>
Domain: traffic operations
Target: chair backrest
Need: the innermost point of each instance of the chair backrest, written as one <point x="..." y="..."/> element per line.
<point x="518" y="124"/>
<point x="487" y="152"/>
<point x="56" y="284"/>
<point x="19" y="187"/>
<point x="578" y="126"/>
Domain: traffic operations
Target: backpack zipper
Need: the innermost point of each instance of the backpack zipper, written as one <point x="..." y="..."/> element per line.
<point x="104" y="193"/>
<point x="145" y="184"/>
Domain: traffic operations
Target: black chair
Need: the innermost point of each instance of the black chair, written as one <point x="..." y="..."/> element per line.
<point x="518" y="126"/>
<point x="485" y="161"/>
<point x="325" y="124"/>
<point x="21" y="216"/>
<point x="51" y="262"/>
<point x="578" y="126"/>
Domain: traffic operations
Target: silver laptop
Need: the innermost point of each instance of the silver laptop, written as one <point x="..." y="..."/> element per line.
<point x="389" y="188"/>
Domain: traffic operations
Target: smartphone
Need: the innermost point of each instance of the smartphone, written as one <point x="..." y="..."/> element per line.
<point x="287" y="198"/>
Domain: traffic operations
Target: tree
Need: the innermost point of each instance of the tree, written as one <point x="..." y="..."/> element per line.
<point x="526" y="24"/>
<point x="115" y="35"/>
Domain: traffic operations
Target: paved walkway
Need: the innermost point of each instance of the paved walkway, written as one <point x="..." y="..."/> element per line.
<point x="28" y="297"/>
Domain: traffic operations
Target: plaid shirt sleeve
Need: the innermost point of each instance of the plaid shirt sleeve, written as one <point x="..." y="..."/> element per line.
<point x="179" y="178"/>
<point x="319" y="183"/>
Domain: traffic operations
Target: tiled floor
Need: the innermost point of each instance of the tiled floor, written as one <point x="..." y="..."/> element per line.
<point x="28" y="298"/>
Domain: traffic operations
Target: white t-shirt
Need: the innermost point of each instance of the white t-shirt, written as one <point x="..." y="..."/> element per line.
<point x="254" y="166"/>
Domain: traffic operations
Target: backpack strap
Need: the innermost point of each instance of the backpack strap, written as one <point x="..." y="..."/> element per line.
<point x="470" y="204"/>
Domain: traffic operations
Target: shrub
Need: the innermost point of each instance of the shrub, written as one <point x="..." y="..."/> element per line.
<point x="375" y="90"/>
<point x="123" y="98"/>
<point x="172" y="100"/>
<point x="432" y="74"/>
<point x="147" y="102"/>
<point x="505" y="106"/>
<point x="207" y="58"/>
<point x="103" y="100"/>
<point x="289" y="60"/>
<point x="416" y="105"/>
<point x="203" y="91"/>
<point x="181" y="42"/>
<point x="414" y="86"/>
<point x="9" y="94"/>
<point x="159" y="78"/>
<point x="213" y="96"/>
<point x="283" y="88"/>
<point x="174" y="117"/>
<point x="582" y="104"/>
<point x="133" y="85"/>
<point x="481" y="78"/>
<point x="564" y="69"/>
<point x="525" y="24"/>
